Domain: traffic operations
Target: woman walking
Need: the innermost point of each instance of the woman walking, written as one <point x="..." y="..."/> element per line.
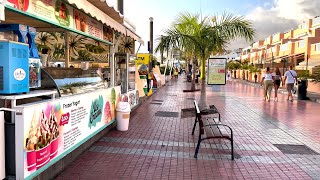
<point x="277" y="80"/>
<point x="267" y="80"/>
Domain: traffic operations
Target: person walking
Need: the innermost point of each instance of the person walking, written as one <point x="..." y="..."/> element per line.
<point x="267" y="81"/>
<point x="228" y="75"/>
<point x="290" y="77"/>
<point x="277" y="81"/>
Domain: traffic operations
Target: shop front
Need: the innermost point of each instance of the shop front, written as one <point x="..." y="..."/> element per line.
<point x="61" y="77"/>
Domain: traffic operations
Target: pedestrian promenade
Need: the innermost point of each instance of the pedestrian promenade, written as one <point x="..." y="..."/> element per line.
<point x="273" y="140"/>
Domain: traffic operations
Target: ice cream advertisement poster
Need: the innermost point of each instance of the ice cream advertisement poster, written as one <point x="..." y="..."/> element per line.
<point x="53" y="129"/>
<point x="216" y="71"/>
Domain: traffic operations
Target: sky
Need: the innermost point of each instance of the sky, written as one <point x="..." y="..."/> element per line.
<point x="267" y="16"/>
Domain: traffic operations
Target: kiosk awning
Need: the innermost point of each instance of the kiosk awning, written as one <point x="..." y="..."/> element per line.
<point x="105" y="13"/>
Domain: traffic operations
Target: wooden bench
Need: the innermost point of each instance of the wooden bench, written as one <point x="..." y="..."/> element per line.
<point x="213" y="128"/>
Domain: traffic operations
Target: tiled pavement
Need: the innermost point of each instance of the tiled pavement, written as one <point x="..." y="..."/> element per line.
<point x="157" y="147"/>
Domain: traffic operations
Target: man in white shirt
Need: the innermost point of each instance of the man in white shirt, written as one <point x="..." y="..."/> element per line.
<point x="290" y="77"/>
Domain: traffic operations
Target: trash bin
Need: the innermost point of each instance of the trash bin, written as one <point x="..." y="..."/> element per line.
<point x="123" y="116"/>
<point x="302" y="89"/>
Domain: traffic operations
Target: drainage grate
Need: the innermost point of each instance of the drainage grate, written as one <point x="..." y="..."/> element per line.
<point x="191" y="98"/>
<point x="167" y="114"/>
<point x="295" y="149"/>
<point x="189" y="112"/>
<point x="156" y="103"/>
<point x="158" y="100"/>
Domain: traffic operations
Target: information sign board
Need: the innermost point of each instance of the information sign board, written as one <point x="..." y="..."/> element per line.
<point x="217" y="71"/>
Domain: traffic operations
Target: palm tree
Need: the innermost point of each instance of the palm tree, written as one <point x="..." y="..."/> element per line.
<point x="207" y="36"/>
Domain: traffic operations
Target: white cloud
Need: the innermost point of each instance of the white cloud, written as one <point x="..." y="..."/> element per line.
<point x="279" y="16"/>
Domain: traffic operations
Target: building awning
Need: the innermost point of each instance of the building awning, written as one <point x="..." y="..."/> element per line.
<point x="108" y="9"/>
<point x="102" y="14"/>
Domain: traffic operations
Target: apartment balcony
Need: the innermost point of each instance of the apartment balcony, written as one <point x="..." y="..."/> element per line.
<point x="300" y="46"/>
<point x="315" y="49"/>
<point x="286" y="49"/>
<point x="288" y="35"/>
<point x="300" y="32"/>
<point x="277" y="37"/>
<point x="257" y="44"/>
<point x="268" y="41"/>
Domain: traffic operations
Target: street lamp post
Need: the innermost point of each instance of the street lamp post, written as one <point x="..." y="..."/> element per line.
<point x="151" y="43"/>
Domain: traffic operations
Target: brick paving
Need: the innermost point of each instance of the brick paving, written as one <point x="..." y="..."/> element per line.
<point x="157" y="147"/>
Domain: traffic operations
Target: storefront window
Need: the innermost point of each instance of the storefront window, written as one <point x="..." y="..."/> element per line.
<point x="120" y="71"/>
<point x="132" y="72"/>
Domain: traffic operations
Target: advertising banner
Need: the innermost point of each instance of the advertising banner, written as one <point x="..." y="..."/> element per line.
<point x="55" y="11"/>
<point x="132" y="97"/>
<point x="217" y="71"/>
<point x="142" y="63"/>
<point x="61" y="13"/>
<point x="142" y="59"/>
<point x="48" y="131"/>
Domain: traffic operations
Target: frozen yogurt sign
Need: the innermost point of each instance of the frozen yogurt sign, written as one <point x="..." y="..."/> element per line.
<point x="49" y="130"/>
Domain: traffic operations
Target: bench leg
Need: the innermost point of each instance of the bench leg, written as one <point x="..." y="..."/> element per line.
<point x="198" y="146"/>
<point x="232" y="155"/>
<point x="194" y="126"/>
<point x="219" y="117"/>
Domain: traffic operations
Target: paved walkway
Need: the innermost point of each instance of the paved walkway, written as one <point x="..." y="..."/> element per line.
<point x="273" y="140"/>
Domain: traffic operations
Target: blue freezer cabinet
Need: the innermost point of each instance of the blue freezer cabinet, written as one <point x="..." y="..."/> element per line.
<point x="14" y="67"/>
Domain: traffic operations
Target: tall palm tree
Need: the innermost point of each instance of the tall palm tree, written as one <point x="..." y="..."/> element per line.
<point x="206" y="36"/>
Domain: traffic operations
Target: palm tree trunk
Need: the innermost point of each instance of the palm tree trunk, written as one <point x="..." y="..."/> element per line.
<point x="193" y="83"/>
<point x="203" y="94"/>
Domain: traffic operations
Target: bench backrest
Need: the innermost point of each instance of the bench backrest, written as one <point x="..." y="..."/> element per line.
<point x="198" y="117"/>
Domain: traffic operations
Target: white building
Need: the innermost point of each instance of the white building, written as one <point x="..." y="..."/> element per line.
<point x="230" y="55"/>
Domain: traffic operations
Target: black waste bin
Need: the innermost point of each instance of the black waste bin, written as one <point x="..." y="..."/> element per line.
<point x="302" y="89"/>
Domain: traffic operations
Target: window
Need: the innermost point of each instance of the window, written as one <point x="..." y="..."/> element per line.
<point x="317" y="47"/>
<point x="301" y="44"/>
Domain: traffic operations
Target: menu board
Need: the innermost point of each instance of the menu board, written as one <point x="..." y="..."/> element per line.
<point x="46" y="132"/>
<point x="87" y="24"/>
<point x="217" y="71"/>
